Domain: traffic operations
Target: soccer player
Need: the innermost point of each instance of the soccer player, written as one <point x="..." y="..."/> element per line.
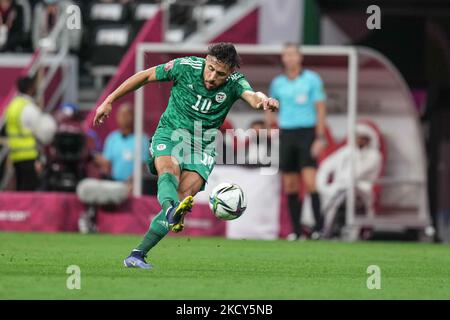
<point x="203" y="92"/>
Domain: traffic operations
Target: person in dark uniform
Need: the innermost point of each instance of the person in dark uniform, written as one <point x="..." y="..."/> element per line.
<point x="301" y="120"/>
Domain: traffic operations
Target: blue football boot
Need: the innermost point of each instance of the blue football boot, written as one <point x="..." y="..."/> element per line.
<point x="136" y="260"/>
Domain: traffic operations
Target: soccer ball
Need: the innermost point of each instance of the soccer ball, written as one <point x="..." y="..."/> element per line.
<point x="227" y="201"/>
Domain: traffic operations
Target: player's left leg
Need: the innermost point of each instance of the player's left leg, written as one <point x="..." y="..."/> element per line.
<point x="309" y="170"/>
<point x="309" y="179"/>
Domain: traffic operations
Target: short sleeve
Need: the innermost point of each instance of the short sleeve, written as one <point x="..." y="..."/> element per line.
<point x="318" y="93"/>
<point x="168" y="71"/>
<point x="242" y="85"/>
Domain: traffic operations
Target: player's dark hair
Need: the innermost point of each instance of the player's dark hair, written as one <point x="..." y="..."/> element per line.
<point x="25" y="84"/>
<point x="226" y="53"/>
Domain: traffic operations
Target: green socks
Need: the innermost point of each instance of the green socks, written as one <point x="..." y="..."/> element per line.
<point x="167" y="190"/>
<point x="158" y="230"/>
<point x="167" y="196"/>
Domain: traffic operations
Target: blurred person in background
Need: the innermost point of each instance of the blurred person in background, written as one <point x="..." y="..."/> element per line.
<point x="46" y="16"/>
<point x="26" y="125"/>
<point x="302" y="119"/>
<point x="118" y="153"/>
<point x="333" y="176"/>
<point x="11" y="26"/>
<point x="116" y="165"/>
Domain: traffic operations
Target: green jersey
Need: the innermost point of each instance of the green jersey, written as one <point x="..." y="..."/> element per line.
<point x="190" y="102"/>
<point x="188" y="127"/>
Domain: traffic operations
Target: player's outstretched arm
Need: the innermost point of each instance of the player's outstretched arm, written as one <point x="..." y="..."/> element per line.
<point x="132" y="83"/>
<point x="259" y="100"/>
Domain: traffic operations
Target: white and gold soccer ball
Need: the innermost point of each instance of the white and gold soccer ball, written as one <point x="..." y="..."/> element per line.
<point x="227" y="201"/>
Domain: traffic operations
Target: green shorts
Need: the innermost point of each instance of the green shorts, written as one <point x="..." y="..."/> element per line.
<point x="190" y="158"/>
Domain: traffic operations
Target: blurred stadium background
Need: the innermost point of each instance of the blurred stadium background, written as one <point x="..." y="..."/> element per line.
<point x="396" y="78"/>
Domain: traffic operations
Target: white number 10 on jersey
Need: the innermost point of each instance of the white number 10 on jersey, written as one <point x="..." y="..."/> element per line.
<point x="205" y="105"/>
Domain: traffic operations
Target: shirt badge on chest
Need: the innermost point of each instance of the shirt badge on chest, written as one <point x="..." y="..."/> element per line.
<point x="127" y="155"/>
<point x="220" y="97"/>
<point x="301" y="98"/>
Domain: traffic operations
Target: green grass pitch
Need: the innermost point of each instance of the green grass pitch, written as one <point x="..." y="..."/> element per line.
<point x="33" y="266"/>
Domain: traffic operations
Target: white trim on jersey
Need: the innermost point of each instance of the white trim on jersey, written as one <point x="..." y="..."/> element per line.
<point x="192" y="63"/>
<point x="193" y="66"/>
